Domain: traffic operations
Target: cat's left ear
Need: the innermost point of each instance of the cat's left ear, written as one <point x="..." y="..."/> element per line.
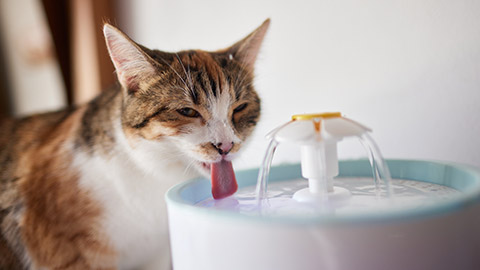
<point x="131" y="64"/>
<point x="246" y="50"/>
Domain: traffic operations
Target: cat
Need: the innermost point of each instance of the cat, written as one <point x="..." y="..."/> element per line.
<point x="83" y="188"/>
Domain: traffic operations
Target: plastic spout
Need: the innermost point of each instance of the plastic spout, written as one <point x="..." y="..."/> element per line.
<point x="320" y="165"/>
<point x="318" y="135"/>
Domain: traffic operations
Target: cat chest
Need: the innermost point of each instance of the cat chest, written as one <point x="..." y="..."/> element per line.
<point x="137" y="228"/>
<point x="134" y="218"/>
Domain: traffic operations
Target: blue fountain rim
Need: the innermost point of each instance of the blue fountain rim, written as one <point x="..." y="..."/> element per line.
<point x="463" y="178"/>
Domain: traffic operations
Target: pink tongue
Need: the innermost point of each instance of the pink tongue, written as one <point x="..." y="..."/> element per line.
<point x="223" y="179"/>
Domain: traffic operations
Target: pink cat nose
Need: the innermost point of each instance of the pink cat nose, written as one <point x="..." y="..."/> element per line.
<point x="223" y="148"/>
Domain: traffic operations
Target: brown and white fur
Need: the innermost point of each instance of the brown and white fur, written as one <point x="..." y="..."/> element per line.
<point x="84" y="188"/>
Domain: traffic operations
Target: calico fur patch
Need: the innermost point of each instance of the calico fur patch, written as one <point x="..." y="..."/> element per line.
<point x="74" y="183"/>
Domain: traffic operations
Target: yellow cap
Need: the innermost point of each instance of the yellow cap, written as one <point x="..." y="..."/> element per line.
<point x="310" y="116"/>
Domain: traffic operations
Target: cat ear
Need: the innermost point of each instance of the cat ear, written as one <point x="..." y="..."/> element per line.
<point x="246" y="50"/>
<point x="131" y="63"/>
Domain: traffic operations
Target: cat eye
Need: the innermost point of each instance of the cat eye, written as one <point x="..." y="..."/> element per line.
<point x="188" y="112"/>
<point x="240" y="108"/>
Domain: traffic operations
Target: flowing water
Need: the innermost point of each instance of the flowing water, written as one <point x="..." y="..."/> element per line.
<point x="380" y="172"/>
<point x="262" y="181"/>
<point x="379" y="167"/>
<point x="368" y="194"/>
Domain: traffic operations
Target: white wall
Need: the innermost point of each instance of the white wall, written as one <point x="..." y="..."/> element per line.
<point x="33" y="71"/>
<point x="408" y="69"/>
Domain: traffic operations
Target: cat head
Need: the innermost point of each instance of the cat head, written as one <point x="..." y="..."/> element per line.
<point x="202" y="102"/>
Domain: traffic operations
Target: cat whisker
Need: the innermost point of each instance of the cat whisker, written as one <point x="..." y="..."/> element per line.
<point x="184" y="90"/>
<point x="189" y="167"/>
<point x="176" y="73"/>
<point x="239" y="80"/>
<point x="239" y="83"/>
<point x="189" y="78"/>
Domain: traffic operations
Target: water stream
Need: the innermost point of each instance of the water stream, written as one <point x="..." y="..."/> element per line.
<point x="262" y="181"/>
<point x="380" y="172"/>
<point x="380" y="169"/>
<point x="367" y="194"/>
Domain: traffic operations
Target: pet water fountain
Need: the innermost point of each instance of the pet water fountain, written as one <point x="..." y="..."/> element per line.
<point x="352" y="214"/>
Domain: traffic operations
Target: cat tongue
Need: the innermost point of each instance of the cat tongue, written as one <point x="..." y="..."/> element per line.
<point x="223" y="179"/>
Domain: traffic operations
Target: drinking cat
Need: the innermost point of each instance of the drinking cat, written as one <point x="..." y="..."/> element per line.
<point x="83" y="188"/>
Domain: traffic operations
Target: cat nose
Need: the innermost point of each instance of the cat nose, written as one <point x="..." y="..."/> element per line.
<point x="223" y="148"/>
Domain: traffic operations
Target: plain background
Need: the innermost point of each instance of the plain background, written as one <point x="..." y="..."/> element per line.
<point x="410" y="69"/>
